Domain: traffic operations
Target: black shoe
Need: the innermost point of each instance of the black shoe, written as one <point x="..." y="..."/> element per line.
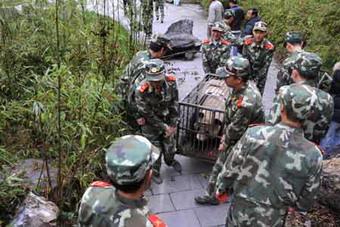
<point x="156" y="177"/>
<point x="206" y="200"/>
<point x="161" y="21"/>
<point x="177" y="166"/>
<point x="157" y="18"/>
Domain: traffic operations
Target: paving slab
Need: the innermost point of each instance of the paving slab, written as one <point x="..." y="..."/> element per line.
<point x="185" y="200"/>
<point x="177" y="184"/>
<point x="160" y="203"/>
<point x="185" y="218"/>
<point x="212" y="215"/>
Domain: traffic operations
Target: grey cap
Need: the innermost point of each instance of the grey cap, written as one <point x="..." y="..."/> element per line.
<point x="129" y="158"/>
<point x="154" y="70"/>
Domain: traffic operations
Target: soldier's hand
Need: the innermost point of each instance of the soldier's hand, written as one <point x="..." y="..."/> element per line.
<point x="221" y="147"/>
<point x="141" y="121"/>
<point x="170" y="131"/>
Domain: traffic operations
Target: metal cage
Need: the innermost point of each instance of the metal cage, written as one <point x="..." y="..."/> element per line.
<point x="196" y="137"/>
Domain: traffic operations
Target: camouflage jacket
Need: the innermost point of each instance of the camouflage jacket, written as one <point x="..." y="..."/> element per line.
<point x="316" y="126"/>
<point x="270" y="169"/>
<point x="243" y="108"/>
<point x="101" y="205"/>
<point x="214" y="55"/>
<point x="132" y="75"/>
<point x="159" y="107"/>
<point x="283" y="78"/>
<point x="259" y="56"/>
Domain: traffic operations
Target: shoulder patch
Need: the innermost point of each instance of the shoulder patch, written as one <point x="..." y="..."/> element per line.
<point x="156" y="221"/>
<point x="269" y="46"/>
<point x="239" y="102"/>
<point x="100" y="184"/>
<point x="144" y="87"/>
<point x="170" y="78"/>
<point x="225" y="42"/>
<point x="205" y="41"/>
<point x="248" y="41"/>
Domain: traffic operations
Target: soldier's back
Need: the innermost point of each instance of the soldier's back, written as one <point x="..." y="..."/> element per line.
<point x="278" y="164"/>
<point x="102" y="206"/>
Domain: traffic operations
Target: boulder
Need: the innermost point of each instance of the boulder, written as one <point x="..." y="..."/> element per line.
<point x="329" y="194"/>
<point x="36" y="211"/>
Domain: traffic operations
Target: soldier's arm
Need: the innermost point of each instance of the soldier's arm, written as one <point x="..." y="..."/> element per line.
<point x="205" y="61"/>
<point x="274" y="115"/>
<point x="311" y="188"/>
<point x="233" y="165"/>
<point x="145" y="110"/>
<point x="283" y="76"/>
<point x="225" y="56"/>
<point x="173" y="107"/>
<point x="238" y="125"/>
<point x="268" y="59"/>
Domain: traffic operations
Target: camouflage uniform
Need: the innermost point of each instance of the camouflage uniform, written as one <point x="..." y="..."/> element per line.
<point x="322" y="81"/>
<point x="159" y="6"/>
<point x="316" y="126"/>
<point x="132" y="76"/>
<point x="147" y="16"/>
<point x="243" y="107"/>
<point x="102" y="205"/>
<point x="159" y="107"/>
<point x="260" y="56"/>
<point x="272" y="168"/>
<point x="215" y="53"/>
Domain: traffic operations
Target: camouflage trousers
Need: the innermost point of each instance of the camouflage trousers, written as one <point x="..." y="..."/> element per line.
<point x="159" y="8"/>
<point x="166" y="146"/>
<point x="243" y="213"/>
<point x="147" y="16"/>
<point x="260" y="81"/>
<point x="217" y="168"/>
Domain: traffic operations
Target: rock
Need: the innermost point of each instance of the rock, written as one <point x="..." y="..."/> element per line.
<point x="33" y="171"/>
<point x="329" y="194"/>
<point x="36" y="211"/>
<point x="182" y="39"/>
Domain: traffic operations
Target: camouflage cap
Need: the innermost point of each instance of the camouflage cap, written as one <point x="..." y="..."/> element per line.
<point x="154" y="70"/>
<point x="219" y="26"/>
<point x="237" y="66"/>
<point x="129" y="158"/>
<point x="260" y="26"/>
<point x="229" y="13"/>
<point x="308" y="64"/>
<point x="293" y="37"/>
<point x="160" y="41"/>
<point x="298" y="100"/>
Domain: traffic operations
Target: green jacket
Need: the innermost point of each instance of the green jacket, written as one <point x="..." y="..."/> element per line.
<point x="270" y="169"/>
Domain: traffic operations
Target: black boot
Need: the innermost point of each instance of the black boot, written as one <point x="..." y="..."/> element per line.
<point x="209" y="198"/>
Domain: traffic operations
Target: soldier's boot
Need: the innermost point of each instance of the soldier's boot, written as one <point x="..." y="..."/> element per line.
<point x="156" y="169"/>
<point x="177" y="166"/>
<point x="209" y="198"/>
<point x="156" y="177"/>
<point x="157" y="17"/>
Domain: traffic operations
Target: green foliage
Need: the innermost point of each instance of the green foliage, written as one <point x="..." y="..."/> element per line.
<point x="34" y="71"/>
<point x="318" y="20"/>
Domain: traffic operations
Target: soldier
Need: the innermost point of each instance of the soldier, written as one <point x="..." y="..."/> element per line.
<point x="215" y="51"/>
<point x="243" y="107"/>
<point x="156" y="100"/>
<point x="159" y="6"/>
<point x="259" y="51"/>
<point x="133" y="75"/>
<point x="147" y="14"/>
<point x="120" y="202"/>
<point x="294" y="44"/>
<point x="273" y="168"/>
<point x="304" y="71"/>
